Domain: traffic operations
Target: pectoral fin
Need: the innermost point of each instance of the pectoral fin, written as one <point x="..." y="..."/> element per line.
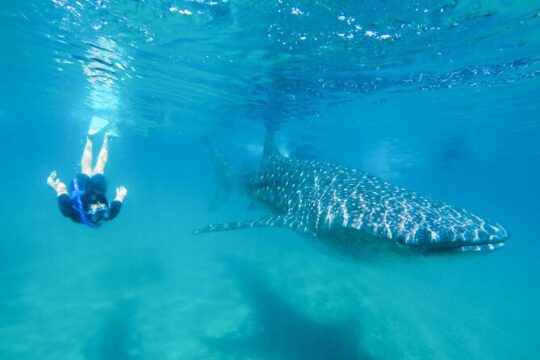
<point x="289" y="221"/>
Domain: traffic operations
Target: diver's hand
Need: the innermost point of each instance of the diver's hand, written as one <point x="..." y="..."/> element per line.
<point x="121" y="193"/>
<point x="56" y="184"/>
<point x="52" y="181"/>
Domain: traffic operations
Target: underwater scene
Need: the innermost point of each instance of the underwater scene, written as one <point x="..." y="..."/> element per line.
<point x="236" y="179"/>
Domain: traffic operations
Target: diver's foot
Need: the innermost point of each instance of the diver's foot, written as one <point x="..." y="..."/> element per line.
<point x="91" y="134"/>
<point x="111" y="133"/>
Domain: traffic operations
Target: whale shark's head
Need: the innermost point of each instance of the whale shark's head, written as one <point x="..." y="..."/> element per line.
<point x="484" y="238"/>
<point x="491" y="237"/>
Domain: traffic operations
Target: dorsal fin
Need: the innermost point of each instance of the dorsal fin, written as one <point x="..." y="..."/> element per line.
<point x="270" y="147"/>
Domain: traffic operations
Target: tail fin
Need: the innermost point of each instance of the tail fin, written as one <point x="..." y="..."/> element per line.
<point x="226" y="176"/>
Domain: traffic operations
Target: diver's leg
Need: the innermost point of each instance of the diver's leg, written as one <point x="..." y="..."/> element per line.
<point x="86" y="161"/>
<point x="102" y="157"/>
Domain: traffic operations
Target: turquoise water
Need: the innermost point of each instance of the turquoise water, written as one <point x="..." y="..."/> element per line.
<point x="440" y="97"/>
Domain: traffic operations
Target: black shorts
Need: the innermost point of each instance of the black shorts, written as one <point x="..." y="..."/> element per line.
<point x="95" y="184"/>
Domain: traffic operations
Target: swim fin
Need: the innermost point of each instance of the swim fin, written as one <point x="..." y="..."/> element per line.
<point x="96" y="125"/>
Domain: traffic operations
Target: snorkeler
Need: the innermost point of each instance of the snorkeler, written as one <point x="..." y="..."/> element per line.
<point x="86" y="202"/>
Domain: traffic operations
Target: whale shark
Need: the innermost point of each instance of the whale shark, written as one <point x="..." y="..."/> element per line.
<point x="353" y="210"/>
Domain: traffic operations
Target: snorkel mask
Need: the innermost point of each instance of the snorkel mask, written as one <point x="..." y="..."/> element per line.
<point x="97" y="213"/>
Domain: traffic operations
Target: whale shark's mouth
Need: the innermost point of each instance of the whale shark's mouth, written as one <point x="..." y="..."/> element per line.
<point x="479" y="248"/>
<point x="485" y="247"/>
<point x="496" y="241"/>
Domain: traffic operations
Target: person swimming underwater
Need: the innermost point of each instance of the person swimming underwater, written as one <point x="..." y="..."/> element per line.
<point x="86" y="203"/>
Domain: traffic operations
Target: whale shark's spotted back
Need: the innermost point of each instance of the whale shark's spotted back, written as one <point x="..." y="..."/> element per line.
<point x="351" y="207"/>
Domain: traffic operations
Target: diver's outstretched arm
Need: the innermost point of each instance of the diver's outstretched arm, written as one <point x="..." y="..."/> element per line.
<point x="121" y="193"/>
<point x="116" y="205"/>
<point x="56" y="184"/>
